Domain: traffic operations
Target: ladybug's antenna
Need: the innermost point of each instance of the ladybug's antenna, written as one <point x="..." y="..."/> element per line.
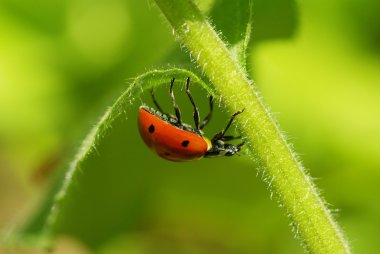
<point x="176" y="108"/>
<point x="196" y="111"/>
<point x="208" y="117"/>
<point x="240" y="145"/>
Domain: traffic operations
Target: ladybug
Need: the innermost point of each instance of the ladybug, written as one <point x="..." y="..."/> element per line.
<point x="174" y="140"/>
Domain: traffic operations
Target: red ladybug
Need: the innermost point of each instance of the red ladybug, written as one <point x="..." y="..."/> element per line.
<point x="174" y="140"/>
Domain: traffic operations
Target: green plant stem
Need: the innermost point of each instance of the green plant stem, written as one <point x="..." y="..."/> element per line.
<point x="311" y="220"/>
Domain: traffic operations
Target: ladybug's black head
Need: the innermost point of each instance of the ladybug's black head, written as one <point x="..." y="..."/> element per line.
<point x="221" y="149"/>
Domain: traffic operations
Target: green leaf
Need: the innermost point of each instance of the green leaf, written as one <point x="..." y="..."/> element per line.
<point x="269" y="19"/>
<point x="276" y="19"/>
<point x="90" y="200"/>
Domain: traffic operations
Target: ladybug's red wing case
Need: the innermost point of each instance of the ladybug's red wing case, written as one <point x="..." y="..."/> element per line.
<point x="168" y="141"/>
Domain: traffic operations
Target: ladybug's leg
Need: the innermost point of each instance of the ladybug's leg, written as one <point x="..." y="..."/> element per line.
<point x="208" y="117"/>
<point x="196" y="111"/>
<point x="220" y="135"/>
<point x="155" y="102"/>
<point x="176" y="108"/>
<point x="229" y="138"/>
<point x="240" y="145"/>
<point x="230" y="122"/>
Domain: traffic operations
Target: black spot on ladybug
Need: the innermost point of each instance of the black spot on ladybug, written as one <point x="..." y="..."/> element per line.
<point x="166" y="154"/>
<point x="185" y="143"/>
<point x="151" y="128"/>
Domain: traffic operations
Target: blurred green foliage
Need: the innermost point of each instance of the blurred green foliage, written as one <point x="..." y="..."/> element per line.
<point x="63" y="63"/>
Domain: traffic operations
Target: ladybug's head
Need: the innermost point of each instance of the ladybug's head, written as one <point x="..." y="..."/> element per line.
<point x="219" y="148"/>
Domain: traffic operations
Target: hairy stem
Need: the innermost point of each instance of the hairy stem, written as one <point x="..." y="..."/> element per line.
<point x="286" y="177"/>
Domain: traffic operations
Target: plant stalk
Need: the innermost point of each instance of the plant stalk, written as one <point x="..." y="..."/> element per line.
<point x="285" y="176"/>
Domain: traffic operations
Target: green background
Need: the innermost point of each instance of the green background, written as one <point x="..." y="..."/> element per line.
<point x="316" y="64"/>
